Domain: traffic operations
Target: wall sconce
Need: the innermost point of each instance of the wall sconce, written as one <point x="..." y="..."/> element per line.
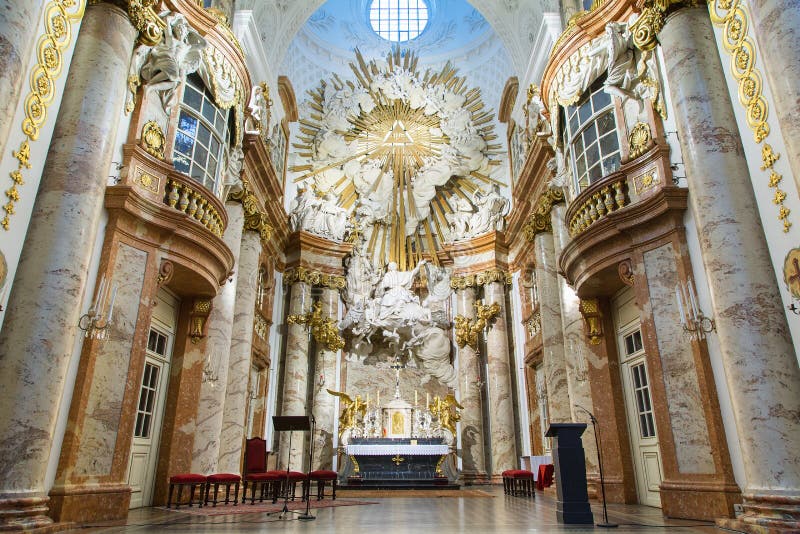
<point x="324" y="329"/>
<point x="467" y="330"/>
<point x="693" y="321"/>
<point x="593" y="317"/>
<point x="96" y="321"/>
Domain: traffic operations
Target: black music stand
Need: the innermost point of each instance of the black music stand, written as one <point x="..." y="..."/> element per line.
<point x="289" y="423"/>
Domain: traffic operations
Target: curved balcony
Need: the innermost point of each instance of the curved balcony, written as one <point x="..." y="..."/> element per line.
<point x="596" y="202"/>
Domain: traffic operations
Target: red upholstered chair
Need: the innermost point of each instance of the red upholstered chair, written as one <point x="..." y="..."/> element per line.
<point x="321" y="477"/>
<point x="223" y="479"/>
<point x="255" y="473"/>
<point x="518" y="482"/>
<point x="545" y="479"/>
<point x="507" y="482"/>
<point x="193" y="481"/>
<point x="290" y="485"/>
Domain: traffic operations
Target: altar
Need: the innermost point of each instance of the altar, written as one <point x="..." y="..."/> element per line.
<point x="398" y="462"/>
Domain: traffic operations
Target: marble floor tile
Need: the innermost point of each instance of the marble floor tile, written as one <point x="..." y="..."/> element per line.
<point x="500" y="514"/>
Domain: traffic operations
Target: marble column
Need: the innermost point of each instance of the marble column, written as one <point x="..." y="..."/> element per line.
<point x="295" y="376"/>
<point x="234" y="418"/>
<point x="19" y="26"/>
<point x="558" y="401"/>
<point x="776" y="24"/>
<point x="205" y="455"/>
<point x="757" y="354"/>
<point x="577" y="353"/>
<point x="40" y="328"/>
<point x="473" y="453"/>
<point x="501" y="403"/>
<point x="324" y="377"/>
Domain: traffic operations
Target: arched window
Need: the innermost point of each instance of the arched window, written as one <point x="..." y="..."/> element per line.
<point x="203" y="136"/>
<point x="593" y="144"/>
<point x="398" y="20"/>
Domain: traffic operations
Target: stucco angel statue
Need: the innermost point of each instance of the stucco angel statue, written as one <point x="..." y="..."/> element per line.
<point x="164" y="66"/>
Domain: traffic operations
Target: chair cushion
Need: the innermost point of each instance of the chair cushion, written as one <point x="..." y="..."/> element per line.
<point x="260" y="477"/>
<point x="224" y="477"/>
<point x="520" y="473"/>
<point x="187" y="478"/>
<point x="296" y="475"/>
<point x="323" y="474"/>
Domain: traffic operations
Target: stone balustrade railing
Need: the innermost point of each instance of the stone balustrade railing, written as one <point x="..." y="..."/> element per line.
<point x="596" y="202"/>
<point x="196" y="202"/>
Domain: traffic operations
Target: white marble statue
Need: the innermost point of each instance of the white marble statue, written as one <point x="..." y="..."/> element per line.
<point x="398" y="305"/>
<point x="319" y="216"/>
<point x="460" y="218"/>
<point x="492" y="207"/>
<point x="164" y="66"/>
<point x="234" y="161"/>
<point x="621" y="61"/>
<point x="257" y="119"/>
<point x="536" y="122"/>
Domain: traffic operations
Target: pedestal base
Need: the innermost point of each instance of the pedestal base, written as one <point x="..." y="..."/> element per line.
<point x="766" y="514"/>
<point x="25" y="514"/>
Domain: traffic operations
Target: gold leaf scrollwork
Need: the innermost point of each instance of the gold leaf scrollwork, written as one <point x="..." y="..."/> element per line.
<point x="323" y="329"/>
<point x="467" y="330"/>
<point x="540" y="221"/>
<point x="60" y="16"/>
<point x="313" y="278"/>
<point x="733" y="17"/>
<point x="146" y="21"/>
<point x="255" y="219"/>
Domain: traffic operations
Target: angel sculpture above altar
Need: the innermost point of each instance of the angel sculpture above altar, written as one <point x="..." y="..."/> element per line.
<point x="353" y="409"/>
<point x="446" y="410"/>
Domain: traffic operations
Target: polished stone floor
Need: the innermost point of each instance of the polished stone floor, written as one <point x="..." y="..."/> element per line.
<point x="443" y="515"/>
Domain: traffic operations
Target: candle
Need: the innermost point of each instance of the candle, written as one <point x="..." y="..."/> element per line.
<point x="415" y="397"/>
<point x="427" y="399"/>
<point x="692" y="300"/>
<point x="680" y="303"/>
<point x="378" y="397"/>
<point x="111" y="307"/>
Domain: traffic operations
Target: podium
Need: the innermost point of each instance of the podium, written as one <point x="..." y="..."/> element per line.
<point x="572" y="507"/>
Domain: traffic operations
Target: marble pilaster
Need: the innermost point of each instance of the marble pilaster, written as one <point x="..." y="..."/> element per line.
<point x="17" y="36"/>
<point x="558" y="401"/>
<point x="777" y="28"/>
<point x="323" y="407"/>
<point x="576" y="352"/>
<point x="234" y="417"/>
<point x="473" y="453"/>
<point x="501" y="402"/>
<point x="295" y="376"/>
<point x="758" y="357"/>
<point x="41" y="322"/>
<point x="205" y="456"/>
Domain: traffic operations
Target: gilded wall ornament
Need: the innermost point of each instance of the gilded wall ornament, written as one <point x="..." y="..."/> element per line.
<point x="593" y="317"/>
<point x="255" y="219"/>
<point x="60" y="16"/>
<point x="791" y="272"/>
<point x="198" y="317"/>
<point x="468" y="330"/>
<point x="540" y="221"/>
<point x="153" y="139"/>
<point x="639" y="140"/>
<point x="734" y="19"/>
<point x="481" y="279"/>
<point x="323" y="329"/>
<point x="314" y="278"/>
<point x="625" y="270"/>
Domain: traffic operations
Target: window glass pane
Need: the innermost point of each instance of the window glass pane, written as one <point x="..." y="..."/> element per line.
<point x="192" y="98"/>
<point x="183" y="143"/>
<point x="187" y="123"/>
<point x="181" y="163"/>
<point x="197" y="173"/>
<point x="214" y="147"/>
<point x="600" y="100"/>
<point x="608" y="143"/>
<point x="592" y="154"/>
<point x="581" y="164"/>
<point x="589" y="135"/>
<point x="203" y="135"/>
<point x="605" y="123"/>
<point x="200" y="155"/>
<point x="578" y="145"/>
<point x="212" y="168"/>
<point x="573" y="122"/>
<point x="585" y="111"/>
<point x="611" y="164"/>
<point x="209" y="110"/>
<point x="595" y="173"/>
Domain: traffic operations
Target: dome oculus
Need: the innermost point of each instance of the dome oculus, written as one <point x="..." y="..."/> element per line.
<point x="398" y="20"/>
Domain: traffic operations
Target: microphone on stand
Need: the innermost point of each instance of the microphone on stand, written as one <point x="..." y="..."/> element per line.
<point x="597" y="442"/>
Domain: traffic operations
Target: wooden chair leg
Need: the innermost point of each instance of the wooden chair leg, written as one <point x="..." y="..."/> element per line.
<point x="253" y="492"/>
<point x="333" y="492"/>
<point x="169" y="498"/>
<point x="180" y="493"/>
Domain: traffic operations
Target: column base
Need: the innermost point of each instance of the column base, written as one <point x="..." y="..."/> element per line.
<point x="616" y="492"/>
<point x="90" y="503"/>
<point x="25" y="513"/>
<point x="766" y="514"/>
<point x="698" y="499"/>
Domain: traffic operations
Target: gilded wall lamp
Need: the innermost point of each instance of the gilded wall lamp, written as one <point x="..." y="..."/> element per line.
<point x="467" y="330"/>
<point x="96" y="321"/>
<point x="693" y="321"/>
<point x="210" y="370"/>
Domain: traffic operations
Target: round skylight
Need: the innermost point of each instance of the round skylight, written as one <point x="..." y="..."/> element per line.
<point x="398" y="20"/>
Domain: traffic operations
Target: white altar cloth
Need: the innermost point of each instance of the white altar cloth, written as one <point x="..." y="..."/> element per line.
<point x="402" y="449"/>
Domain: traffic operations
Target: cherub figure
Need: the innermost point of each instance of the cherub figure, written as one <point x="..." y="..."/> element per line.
<point x="353" y="408"/>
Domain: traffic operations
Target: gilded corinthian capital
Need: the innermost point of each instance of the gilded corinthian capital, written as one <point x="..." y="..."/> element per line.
<point x="646" y="28"/>
<point x="145" y="19"/>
